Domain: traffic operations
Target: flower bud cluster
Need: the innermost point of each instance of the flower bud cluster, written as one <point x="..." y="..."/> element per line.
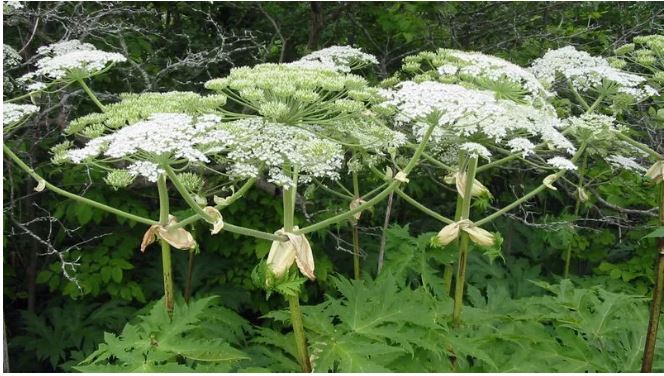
<point x="292" y="95"/>
<point x="136" y="107"/>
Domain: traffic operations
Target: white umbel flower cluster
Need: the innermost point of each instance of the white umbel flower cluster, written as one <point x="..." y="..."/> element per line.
<point x="492" y="68"/>
<point x="254" y="145"/>
<point x="561" y="163"/>
<point x="10" y="57"/>
<point x="162" y="138"/>
<point x="586" y="72"/>
<point x="476" y="150"/>
<point x="337" y="58"/>
<point x="136" y="107"/>
<point x="470" y="114"/>
<point x="71" y="59"/>
<point x="13" y="113"/>
<point x="625" y="163"/>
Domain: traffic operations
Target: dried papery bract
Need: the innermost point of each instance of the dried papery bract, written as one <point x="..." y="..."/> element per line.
<point x="478" y="235"/>
<point x="295" y="250"/>
<point x="177" y="237"/>
<point x="218" y="223"/>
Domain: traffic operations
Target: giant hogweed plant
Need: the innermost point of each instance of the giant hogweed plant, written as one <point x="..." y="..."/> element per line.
<point x="164" y="138"/>
<point x="296" y="123"/>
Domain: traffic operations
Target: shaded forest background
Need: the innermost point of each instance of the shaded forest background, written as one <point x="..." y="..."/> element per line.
<point x="52" y="320"/>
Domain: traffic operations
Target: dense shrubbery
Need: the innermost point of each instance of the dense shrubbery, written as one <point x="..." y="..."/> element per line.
<point x="527" y="184"/>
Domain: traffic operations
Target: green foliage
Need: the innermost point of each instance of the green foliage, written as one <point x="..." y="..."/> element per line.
<point x="62" y="335"/>
<point x="157" y="343"/>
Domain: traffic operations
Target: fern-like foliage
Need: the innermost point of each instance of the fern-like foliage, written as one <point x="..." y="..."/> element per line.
<point x="61" y="335"/>
<point x="400" y="322"/>
<point x="157" y="343"/>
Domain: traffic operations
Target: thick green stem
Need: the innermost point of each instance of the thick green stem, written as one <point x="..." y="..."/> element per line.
<point x="658" y="292"/>
<point x="167" y="269"/>
<point x="190" y="271"/>
<point x="186" y="195"/>
<point x="168" y="276"/>
<point x="577" y="209"/>
<point x="640" y="146"/>
<point x="91" y="95"/>
<point x="356" y="232"/>
<point x="294" y="301"/>
<point x="448" y="271"/>
<point x="253" y="233"/>
<point x="298" y="330"/>
<point x="356" y="252"/>
<point x="74" y="196"/>
<point x="463" y="241"/>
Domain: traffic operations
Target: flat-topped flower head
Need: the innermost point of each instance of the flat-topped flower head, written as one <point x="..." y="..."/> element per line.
<point x="561" y="163"/>
<point x="467" y="115"/>
<point x="12" y="113"/>
<point x="336" y="58"/>
<point x="253" y="146"/>
<point x="586" y="72"/>
<point x="295" y="95"/>
<point x="477" y="70"/>
<point x="10" y="57"/>
<point x="136" y="107"/>
<point x="164" y="138"/>
<point x="71" y="60"/>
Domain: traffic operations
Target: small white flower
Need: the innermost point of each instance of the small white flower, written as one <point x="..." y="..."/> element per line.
<point x="336" y="58"/>
<point x="561" y="163"/>
<point x="476" y="150"/>
<point x="13" y="113"/>
<point x="587" y="72"/>
<point x="626" y="163"/>
<point x="61" y="59"/>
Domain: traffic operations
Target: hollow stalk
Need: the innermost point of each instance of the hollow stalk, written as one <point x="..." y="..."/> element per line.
<point x="294" y="300"/>
<point x="577" y="209"/>
<point x="448" y="271"/>
<point x="658" y="292"/>
<point x="165" y="247"/>
<point x="463" y="240"/>
<point x="356" y="233"/>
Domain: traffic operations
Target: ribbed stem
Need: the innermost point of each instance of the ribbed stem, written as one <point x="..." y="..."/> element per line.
<point x="167" y="269"/>
<point x="658" y="292"/>
<point x="448" y="271"/>
<point x="288" y="198"/>
<point x="463" y="241"/>
<point x="356" y="232"/>
<point x="577" y="209"/>
<point x="298" y="331"/>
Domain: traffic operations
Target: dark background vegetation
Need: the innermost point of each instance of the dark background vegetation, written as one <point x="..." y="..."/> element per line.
<point x="51" y="322"/>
